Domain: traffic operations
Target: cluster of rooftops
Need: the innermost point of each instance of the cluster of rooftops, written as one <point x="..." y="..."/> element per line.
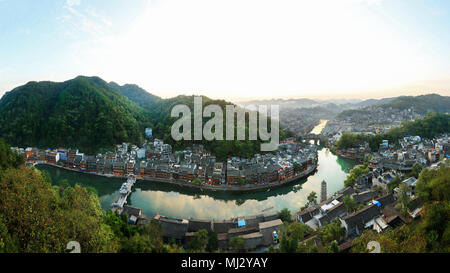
<point x="376" y="214"/>
<point x="193" y="164"/>
<point x="255" y="230"/>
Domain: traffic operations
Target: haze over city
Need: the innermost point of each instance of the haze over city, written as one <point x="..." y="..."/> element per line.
<point x="232" y="50"/>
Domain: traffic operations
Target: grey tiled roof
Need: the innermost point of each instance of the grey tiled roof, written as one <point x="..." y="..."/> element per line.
<point x="360" y="217"/>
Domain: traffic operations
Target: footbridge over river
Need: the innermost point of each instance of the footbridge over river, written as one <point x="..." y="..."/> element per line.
<point x="124" y="191"/>
<point x="317" y="138"/>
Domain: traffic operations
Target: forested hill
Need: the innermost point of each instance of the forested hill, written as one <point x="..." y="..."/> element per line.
<point x="85" y="113"/>
<point x="89" y="114"/>
<point x="159" y="111"/>
<point x="137" y="95"/>
<point x="422" y="104"/>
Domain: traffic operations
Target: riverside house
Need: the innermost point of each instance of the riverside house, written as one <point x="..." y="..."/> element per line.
<point x="187" y="165"/>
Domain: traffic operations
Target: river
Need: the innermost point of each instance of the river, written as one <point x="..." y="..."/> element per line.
<point x="318" y="129"/>
<point x="181" y="202"/>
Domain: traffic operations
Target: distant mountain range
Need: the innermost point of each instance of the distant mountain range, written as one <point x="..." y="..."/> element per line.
<point x="303" y="102"/>
<point x="371" y="102"/>
<point x="422" y="103"/>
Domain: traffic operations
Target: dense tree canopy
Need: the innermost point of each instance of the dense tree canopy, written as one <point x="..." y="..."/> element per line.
<point x="43" y="220"/>
<point x="36" y="216"/>
<point x="89" y="114"/>
<point x="355" y="173"/>
<point x="350" y="204"/>
<point x="84" y="113"/>
<point x="8" y="158"/>
<point x="285" y="215"/>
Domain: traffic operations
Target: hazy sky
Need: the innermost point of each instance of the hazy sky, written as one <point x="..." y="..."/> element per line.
<point x="232" y="49"/>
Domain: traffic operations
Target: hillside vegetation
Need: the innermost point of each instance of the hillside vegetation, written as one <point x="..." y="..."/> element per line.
<point x="160" y="109"/>
<point x="38" y="216"/>
<point x="90" y="114"/>
<point x="83" y="113"/>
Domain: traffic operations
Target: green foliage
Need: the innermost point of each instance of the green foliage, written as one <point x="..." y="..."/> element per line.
<point x="436" y="226"/>
<point x="119" y="225"/>
<point x="297" y="167"/>
<point x="347" y="140"/>
<point x="403" y="198"/>
<point x="7" y="243"/>
<point x="291" y="235"/>
<point x="43" y="220"/>
<point x="355" y="173"/>
<point x="237" y="244"/>
<point x="296" y="230"/>
<point x="331" y="232"/>
<point x="403" y="239"/>
<point x="240" y="180"/>
<point x="213" y="241"/>
<point x="285" y="215"/>
<point x="428" y="127"/>
<point x="199" y="241"/>
<point x="173" y="248"/>
<point x="196" y="181"/>
<point x="8" y="158"/>
<point x="350" y="204"/>
<point x="416" y="169"/>
<point x="92" y="115"/>
<point x="137" y="244"/>
<point x="394" y="183"/>
<point x="288" y="245"/>
<point x="422" y="104"/>
<point x="434" y="185"/>
<point x="38" y="217"/>
<point x="160" y="113"/>
<point x="334" y="247"/>
<point x="84" y="113"/>
<point x="142" y="239"/>
<point x="135" y="239"/>
<point x="311" y="200"/>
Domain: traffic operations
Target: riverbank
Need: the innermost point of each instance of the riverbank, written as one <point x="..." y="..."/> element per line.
<point x="183" y="201"/>
<point x="214" y="188"/>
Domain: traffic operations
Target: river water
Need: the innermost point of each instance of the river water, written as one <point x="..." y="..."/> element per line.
<point x="181" y="202"/>
<point x="319" y="127"/>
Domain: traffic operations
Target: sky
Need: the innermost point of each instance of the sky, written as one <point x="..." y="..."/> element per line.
<point x="233" y="49"/>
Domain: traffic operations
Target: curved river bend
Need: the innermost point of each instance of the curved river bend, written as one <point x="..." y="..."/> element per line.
<point x="181" y="202"/>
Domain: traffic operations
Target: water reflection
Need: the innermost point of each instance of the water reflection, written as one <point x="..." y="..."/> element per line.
<point x="177" y="201"/>
<point x="319" y="127"/>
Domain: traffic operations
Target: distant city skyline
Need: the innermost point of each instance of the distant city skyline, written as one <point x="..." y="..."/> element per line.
<point x="233" y="50"/>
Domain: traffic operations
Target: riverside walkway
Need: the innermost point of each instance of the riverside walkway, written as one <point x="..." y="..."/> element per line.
<point x="189" y="184"/>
